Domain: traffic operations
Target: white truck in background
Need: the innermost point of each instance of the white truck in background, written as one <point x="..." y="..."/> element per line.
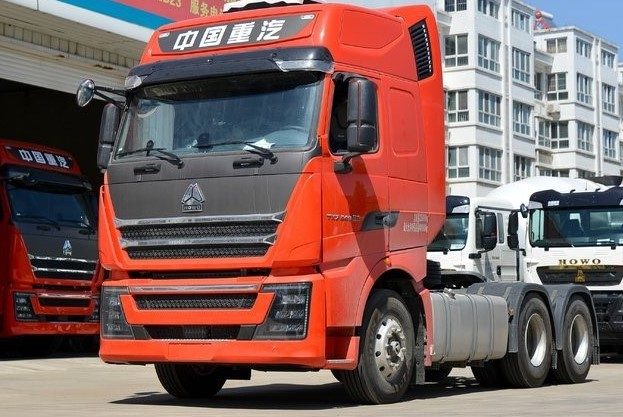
<point x="577" y="238"/>
<point x="476" y="245"/>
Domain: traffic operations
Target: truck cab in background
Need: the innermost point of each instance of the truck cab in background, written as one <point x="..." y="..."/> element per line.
<point x="577" y="238"/>
<point x="49" y="275"/>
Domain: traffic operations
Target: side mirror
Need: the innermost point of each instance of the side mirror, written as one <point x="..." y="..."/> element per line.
<point x="108" y="131"/>
<point x="362" y="114"/>
<point x="513" y="226"/>
<point x="489" y="231"/>
<point x="85" y="93"/>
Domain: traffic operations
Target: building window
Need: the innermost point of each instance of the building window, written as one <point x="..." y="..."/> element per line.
<point x="488" y="54"/>
<point x="563" y="173"/>
<point x="545" y="131"/>
<point x="585" y="174"/>
<point x="608" y="95"/>
<point x="457" y="107"/>
<point x="607" y="59"/>
<point x="585" y="89"/>
<point x="585" y="136"/>
<point x="557" y="86"/>
<point x="521" y="118"/>
<point x="610" y="143"/>
<point x="540" y="86"/>
<point x="456" y="50"/>
<point x="583" y="48"/>
<point x="489" y="7"/>
<point x="455" y="5"/>
<point x="560" y="135"/>
<point x="489" y="108"/>
<point x="521" y="20"/>
<point x="523" y="167"/>
<point x="521" y="65"/>
<point x="458" y="162"/>
<point x="556" y="45"/>
<point x="490" y="162"/>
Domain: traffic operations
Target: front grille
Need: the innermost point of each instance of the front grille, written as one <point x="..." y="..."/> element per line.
<point x="196" y="252"/>
<point x="199" y="237"/>
<point x="193" y="332"/>
<point x="187" y="302"/>
<point x="595" y="276"/>
<point x="63" y="268"/>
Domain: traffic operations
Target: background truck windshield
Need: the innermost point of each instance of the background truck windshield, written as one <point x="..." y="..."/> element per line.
<point x="453" y="235"/>
<point x="56" y="207"/>
<point x="275" y="110"/>
<point x="589" y="226"/>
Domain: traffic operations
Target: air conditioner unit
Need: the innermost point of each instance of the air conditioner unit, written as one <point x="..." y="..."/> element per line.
<point x="552" y="108"/>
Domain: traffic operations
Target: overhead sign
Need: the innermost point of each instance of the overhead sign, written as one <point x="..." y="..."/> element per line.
<point x="178" y="9"/>
<point x="151" y="13"/>
<point x="234" y="33"/>
<point x="41" y="157"/>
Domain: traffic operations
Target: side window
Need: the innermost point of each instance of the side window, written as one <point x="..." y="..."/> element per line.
<point x="339" y="122"/>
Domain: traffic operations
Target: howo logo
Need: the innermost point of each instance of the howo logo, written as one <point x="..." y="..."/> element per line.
<point x="582" y="261"/>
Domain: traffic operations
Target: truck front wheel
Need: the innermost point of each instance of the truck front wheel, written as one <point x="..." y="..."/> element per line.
<point x="386" y="352"/>
<point x="574" y="361"/>
<point x="529" y="366"/>
<point x="189" y="380"/>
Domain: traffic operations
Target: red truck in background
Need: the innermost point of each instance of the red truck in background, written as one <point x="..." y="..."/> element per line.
<point x="273" y="176"/>
<point x="49" y="275"/>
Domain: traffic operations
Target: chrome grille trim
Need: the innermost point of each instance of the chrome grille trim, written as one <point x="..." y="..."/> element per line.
<point x="63" y="268"/>
<point x="199" y="237"/>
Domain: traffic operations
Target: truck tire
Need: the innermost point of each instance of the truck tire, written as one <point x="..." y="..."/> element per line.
<point x="529" y="367"/>
<point x="489" y="375"/>
<point x="574" y="361"/>
<point x="188" y="380"/>
<point x="386" y="352"/>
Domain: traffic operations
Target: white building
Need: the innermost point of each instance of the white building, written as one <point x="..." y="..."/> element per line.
<point x="525" y="98"/>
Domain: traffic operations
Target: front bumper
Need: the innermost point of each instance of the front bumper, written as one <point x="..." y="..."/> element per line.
<point x="252" y="321"/>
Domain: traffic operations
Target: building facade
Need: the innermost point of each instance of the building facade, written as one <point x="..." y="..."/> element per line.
<point x="525" y="98"/>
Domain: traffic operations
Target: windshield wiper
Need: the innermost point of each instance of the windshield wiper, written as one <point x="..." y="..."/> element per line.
<point x="42" y="219"/>
<point x="265" y="152"/>
<point x="162" y="154"/>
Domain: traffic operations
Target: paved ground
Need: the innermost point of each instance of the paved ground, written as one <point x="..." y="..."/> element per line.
<point x="84" y="386"/>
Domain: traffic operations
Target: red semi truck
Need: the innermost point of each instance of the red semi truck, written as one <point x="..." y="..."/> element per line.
<point x="49" y="277"/>
<point x="273" y="178"/>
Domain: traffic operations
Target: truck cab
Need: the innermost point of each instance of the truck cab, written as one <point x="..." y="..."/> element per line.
<point x="49" y="284"/>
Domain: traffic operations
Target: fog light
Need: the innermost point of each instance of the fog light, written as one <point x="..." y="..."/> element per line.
<point x="114" y="324"/>
<point x="22" y="307"/>
<point x="288" y="314"/>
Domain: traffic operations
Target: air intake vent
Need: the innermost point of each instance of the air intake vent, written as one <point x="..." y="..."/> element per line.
<point x="420" y="40"/>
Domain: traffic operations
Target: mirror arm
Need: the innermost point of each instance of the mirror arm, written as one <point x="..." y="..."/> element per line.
<point x="108" y="98"/>
<point x="344" y="166"/>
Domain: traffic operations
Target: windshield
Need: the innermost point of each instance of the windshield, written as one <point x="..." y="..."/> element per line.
<point x="51" y="207"/>
<point x="273" y="110"/>
<point x="588" y="226"/>
<point x="453" y="234"/>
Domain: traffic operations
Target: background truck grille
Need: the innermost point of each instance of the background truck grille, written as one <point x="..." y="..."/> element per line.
<point x="199" y="237"/>
<point x="602" y="276"/>
<point x="62" y="268"/>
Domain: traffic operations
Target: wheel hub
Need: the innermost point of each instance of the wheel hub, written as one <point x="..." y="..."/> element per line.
<point x="389" y="348"/>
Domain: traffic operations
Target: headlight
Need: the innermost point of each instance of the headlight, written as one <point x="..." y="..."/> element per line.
<point x="114" y="324"/>
<point x="288" y="314"/>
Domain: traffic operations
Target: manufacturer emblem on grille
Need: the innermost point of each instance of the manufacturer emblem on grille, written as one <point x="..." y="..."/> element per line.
<point x="67" y="248"/>
<point x="192" y="200"/>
